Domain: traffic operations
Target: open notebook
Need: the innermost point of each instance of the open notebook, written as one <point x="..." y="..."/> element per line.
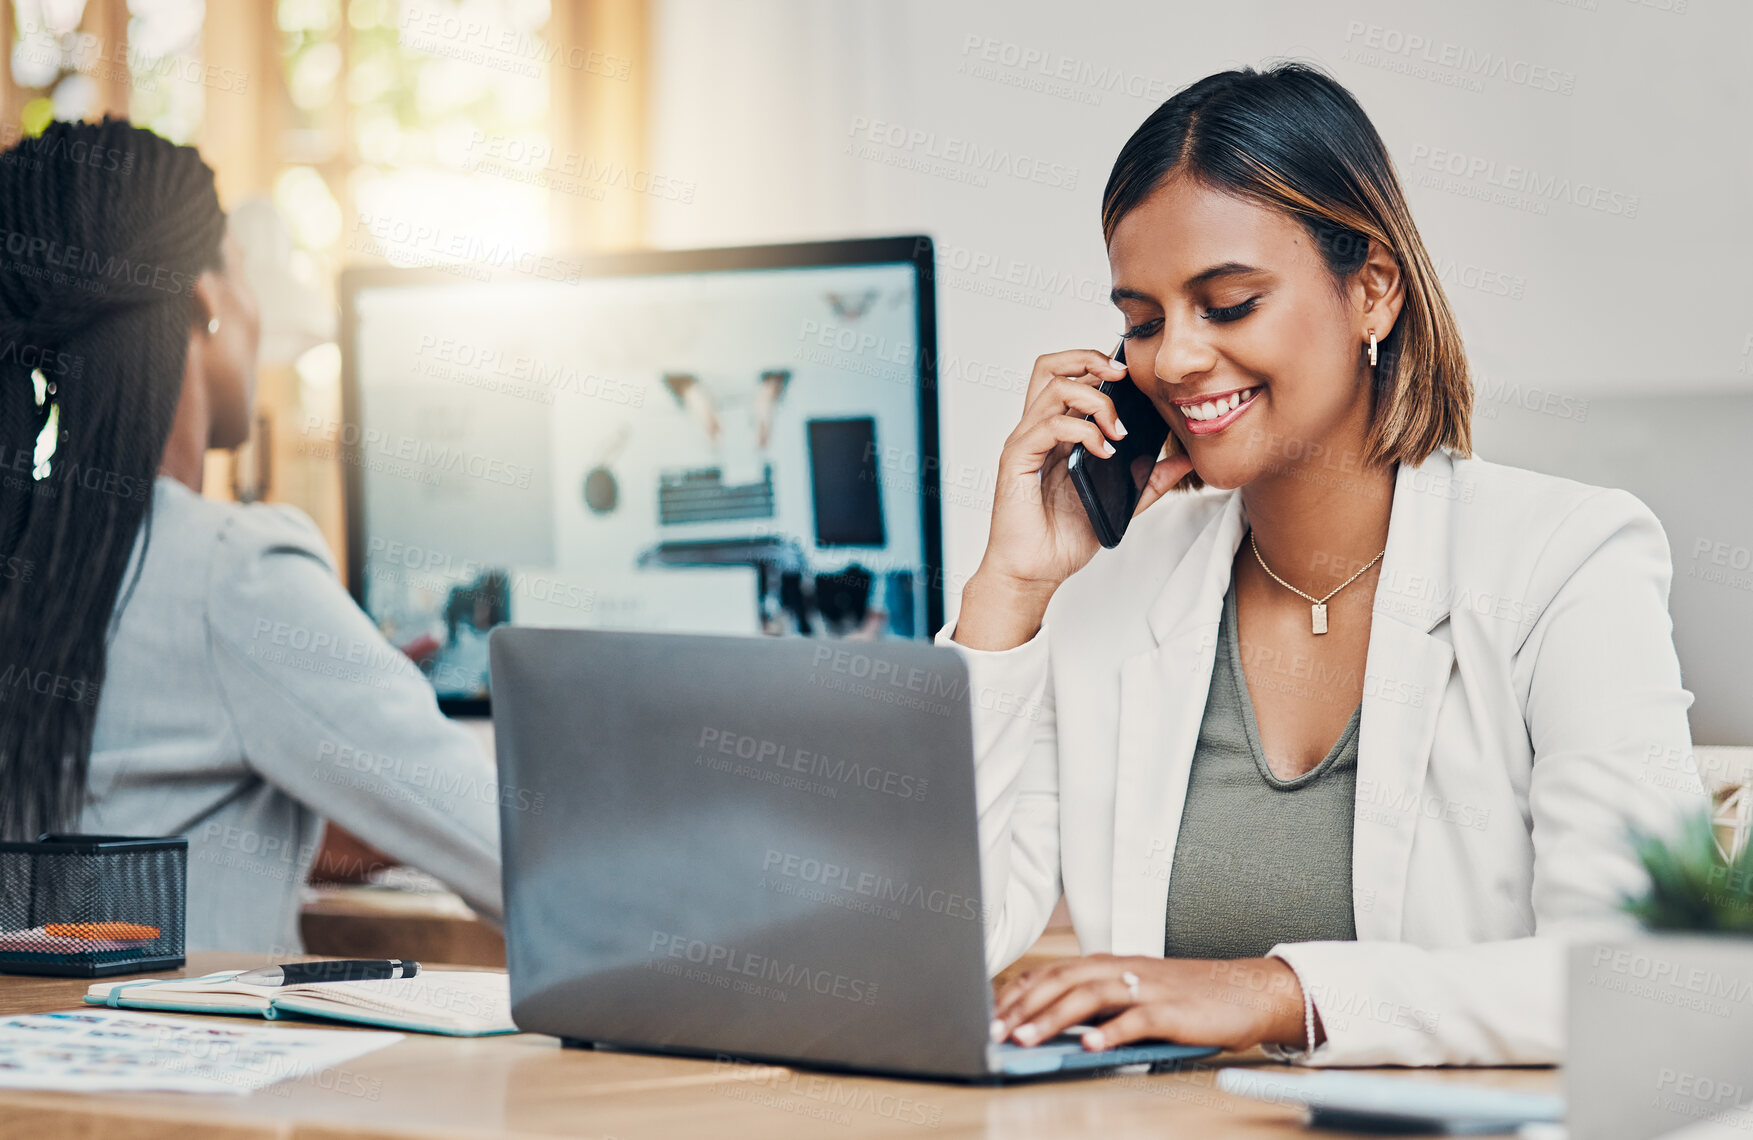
<point x="461" y="1003"/>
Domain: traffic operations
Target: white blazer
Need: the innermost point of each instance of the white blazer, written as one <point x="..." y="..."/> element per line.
<point x="1522" y="706"/>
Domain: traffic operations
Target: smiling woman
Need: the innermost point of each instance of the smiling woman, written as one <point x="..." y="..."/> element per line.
<point x="1297" y="787"/>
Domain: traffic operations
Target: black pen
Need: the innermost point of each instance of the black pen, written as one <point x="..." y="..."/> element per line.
<point x="342" y="970"/>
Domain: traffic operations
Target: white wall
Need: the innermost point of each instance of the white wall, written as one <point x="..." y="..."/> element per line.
<point x="763" y="104"/>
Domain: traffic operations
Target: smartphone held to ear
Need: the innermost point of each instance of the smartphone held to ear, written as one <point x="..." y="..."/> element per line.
<point x="1111" y="486"/>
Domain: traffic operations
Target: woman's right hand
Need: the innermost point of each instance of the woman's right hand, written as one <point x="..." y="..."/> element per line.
<point x="1040" y="534"/>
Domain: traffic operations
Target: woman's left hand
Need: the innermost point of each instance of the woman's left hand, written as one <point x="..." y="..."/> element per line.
<point x="1236" y="1004"/>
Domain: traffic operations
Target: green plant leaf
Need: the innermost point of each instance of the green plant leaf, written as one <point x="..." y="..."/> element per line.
<point x="1690" y="886"/>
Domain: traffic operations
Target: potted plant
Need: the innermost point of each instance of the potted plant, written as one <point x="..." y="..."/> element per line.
<point x="1660" y="1024"/>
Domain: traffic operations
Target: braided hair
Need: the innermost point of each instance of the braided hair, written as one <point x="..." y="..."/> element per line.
<point x="104" y="229"/>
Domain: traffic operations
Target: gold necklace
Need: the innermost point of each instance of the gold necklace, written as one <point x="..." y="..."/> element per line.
<point x="1317" y="606"/>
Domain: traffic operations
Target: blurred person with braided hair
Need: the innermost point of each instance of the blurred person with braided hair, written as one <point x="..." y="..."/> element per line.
<point x="171" y="664"/>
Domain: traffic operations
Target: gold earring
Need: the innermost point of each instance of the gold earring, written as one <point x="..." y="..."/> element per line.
<point x="1372" y="349"/>
<point x="213" y="329"/>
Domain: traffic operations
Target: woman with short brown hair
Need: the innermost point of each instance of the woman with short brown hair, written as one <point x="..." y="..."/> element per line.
<point x="1342" y="742"/>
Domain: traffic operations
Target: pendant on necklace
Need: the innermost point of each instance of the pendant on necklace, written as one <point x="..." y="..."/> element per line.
<point x="1318" y="617"/>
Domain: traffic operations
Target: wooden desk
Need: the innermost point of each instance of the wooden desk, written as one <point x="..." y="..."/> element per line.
<point x="371" y="922"/>
<point x="527" y="1086"/>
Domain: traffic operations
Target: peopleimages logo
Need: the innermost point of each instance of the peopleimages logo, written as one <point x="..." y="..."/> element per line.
<point x="1512" y="178"/>
<point x="22" y="462"/>
<point x="425" y="457"/>
<point x="730" y="960"/>
<point x="1493" y="393"/>
<point x="425" y="568"/>
<point x="436" y="29"/>
<point x="952" y="156"/>
<point x="884" y="888"/>
<point x="399" y="773"/>
<point x="43" y="359"/>
<point x="805" y="762"/>
<point x="1460" y="59"/>
<point x="818" y="1097"/>
<point x="1667" y="981"/>
<point x="495" y="369"/>
<point x="1008" y="278"/>
<point x="90" y="265"/>
<point x="1054" y="73"/>
<point x="537" y="162"/>
<point x="406" y="238"/>
<point x="16" y="679"/>
<point x="875" y="674"/>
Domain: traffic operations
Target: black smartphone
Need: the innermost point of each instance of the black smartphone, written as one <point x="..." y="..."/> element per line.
<point x="1110" y="486"/>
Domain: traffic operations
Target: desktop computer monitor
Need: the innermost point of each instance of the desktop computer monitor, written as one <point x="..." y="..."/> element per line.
<point x="711" y="441"/>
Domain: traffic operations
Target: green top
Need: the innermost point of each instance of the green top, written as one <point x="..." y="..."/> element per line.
<point x="1258" y="860"/>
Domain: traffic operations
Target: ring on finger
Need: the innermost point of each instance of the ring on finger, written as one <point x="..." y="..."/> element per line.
<point x="1131" y="980"/>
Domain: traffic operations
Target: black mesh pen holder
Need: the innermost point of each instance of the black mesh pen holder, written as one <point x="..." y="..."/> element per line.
<point x="87" y="906"/>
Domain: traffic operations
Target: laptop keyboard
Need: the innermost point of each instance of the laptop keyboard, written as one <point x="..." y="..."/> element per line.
<point x="1066" y="1052"/>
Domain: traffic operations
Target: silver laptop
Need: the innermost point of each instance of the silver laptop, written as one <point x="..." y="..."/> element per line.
<point x="753" y="849"/>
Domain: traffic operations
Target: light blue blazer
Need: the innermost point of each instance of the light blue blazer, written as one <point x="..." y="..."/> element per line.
<point x="247" y="699"/>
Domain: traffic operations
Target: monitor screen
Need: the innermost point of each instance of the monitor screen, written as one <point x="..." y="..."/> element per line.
<point x="721" y="441"/>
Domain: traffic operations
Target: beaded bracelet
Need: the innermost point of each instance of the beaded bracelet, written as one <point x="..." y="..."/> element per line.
<point x="1280" y="1052"/>
<point x="1308" y="1020"/>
